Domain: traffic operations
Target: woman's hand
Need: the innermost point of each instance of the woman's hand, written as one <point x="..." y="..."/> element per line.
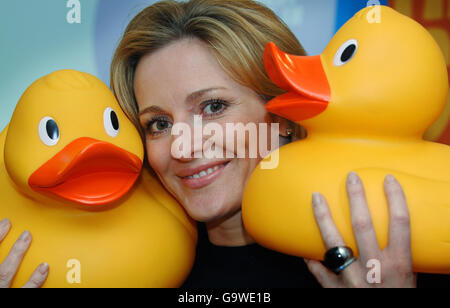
<point x="10" y="265"/>
<point x="395" y="259"/>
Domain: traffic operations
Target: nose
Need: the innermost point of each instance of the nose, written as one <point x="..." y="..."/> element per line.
<point x="187" y="140"/>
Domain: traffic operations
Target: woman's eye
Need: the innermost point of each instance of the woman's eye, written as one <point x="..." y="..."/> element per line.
<point x="346" y="52"/>
<point x="111" y="122"/>
<point x="49" y="131"/>
<point x="159" y="126"/>
<point x="214" y="108"/>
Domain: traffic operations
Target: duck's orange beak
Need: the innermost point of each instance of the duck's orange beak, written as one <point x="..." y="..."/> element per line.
<point x="305" y="80"/>
<point x="89" y="172"/>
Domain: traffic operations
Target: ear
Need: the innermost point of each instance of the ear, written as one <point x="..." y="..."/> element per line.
<point x="285" y="124"/>
<point x="297" y="131"/>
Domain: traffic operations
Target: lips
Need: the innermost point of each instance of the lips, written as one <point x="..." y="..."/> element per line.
<point x="303" y="78"/>
<point x="199" y="177"/>
<point x="190" y="172"/>
<point x="88" y="172"/>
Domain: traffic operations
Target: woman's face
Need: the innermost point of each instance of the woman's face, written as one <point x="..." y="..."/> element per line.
<point x="173" y="85"/>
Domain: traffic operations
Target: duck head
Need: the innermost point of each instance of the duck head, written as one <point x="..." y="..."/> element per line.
<point x="68" y="139"/>
<point x="387" y="78"/>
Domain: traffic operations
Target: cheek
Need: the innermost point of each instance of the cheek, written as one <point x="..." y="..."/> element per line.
<point x="253" y="130"/>
<point x="158" y="155"/>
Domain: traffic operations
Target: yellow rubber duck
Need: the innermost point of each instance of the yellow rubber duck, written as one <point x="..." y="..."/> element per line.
<point x="365" y="102"/>
<point x="71" y="158"/>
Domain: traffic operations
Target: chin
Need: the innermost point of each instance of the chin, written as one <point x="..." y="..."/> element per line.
<point x="212" y="207"/>
<point x="220" y="199"/>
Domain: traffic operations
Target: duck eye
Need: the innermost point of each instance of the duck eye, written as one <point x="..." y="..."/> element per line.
<point x="111" y="122"/>
<point x="346" y="52"/>
<point x="49" y="131"/>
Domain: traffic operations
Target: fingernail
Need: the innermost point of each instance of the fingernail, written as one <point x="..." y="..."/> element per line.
<point x="316" y="199"/>
<point x="25" y="237"/>
<point x="352" y="178"/>
<point x="4" y="222"/>
<point x="43" y="268"/>
<point x="390" y="179"/>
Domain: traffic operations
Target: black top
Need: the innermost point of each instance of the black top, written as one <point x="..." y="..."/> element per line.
<point x="253" y="266"/>
<point x="249" y="266"/>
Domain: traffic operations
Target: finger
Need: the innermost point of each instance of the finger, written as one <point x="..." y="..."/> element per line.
<point x="5" y="226"/>
<point x="361" y="218"/>
<point x="326" y="278"/>
<point x="38" y="278"/>
<point x="9" y="267"/>
<point x="330" y="234"/>
<point x="399" y="219"/>
<point x="332" y="238"/>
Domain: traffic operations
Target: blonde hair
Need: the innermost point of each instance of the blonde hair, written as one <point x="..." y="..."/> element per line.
<point x="237" y="32"/>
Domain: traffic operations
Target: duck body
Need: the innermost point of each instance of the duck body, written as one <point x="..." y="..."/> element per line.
<point x="123" y="230"/>
<point x="284" y="221"/>
<point x="366" y="102"/>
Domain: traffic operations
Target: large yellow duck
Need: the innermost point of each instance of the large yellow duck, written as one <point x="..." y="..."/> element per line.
<point x="366" y="103"/>
<point x="70" y="174"/>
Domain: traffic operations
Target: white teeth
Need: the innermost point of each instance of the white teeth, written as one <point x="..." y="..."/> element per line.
<point x="204" y="173"/>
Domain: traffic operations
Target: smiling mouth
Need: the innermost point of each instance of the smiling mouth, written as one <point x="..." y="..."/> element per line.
<point x="205" y="172"/>
<point x="204" y="177"/>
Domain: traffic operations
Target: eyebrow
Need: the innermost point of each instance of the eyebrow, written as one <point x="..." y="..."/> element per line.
<point x="189" y="99"/>
<point x="195" y="95"/>
<point x="152" y="109"/>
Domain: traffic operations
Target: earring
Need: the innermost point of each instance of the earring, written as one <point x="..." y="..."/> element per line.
<point x="289" y="132"/>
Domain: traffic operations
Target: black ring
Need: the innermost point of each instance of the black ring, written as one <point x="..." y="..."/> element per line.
<point x="338" y="258"/>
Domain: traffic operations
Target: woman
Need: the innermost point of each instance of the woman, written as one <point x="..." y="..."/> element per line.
<point x="204" y="57"/>
<point x="178" y="60"/>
